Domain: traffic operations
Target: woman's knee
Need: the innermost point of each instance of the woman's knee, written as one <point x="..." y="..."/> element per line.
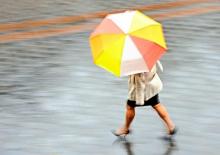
<point x="160" y="110"/>
<point x="130" y="107"/>
<point x="157" y="106"/>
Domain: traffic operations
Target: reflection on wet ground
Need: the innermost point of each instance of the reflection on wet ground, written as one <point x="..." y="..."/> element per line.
<point x="54" y="100"/>
<point x="127" y="145"/>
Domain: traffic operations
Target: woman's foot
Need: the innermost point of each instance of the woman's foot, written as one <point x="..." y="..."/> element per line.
<point x="121" y="132"/>
<point x="173" y="131"/>
<point x="170" y="135"/>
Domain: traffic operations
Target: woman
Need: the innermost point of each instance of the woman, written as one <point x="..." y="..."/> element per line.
<point x="143" y="91"/>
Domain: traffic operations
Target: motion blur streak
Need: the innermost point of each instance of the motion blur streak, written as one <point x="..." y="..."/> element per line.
<point x="100" y="14"/>
<point x="83" y="27"/>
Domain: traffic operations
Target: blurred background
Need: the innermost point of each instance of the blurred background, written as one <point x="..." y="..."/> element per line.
<point x="55" y="101"/>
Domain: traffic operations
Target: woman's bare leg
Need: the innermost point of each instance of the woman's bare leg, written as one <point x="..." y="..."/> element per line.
<point x="161" y="110"/>
<point x="129" y="116"/>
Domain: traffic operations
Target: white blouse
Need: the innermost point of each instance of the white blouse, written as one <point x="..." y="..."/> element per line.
<point x="143" y="86"/>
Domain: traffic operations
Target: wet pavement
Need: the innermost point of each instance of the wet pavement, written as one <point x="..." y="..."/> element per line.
<point x="55" y="101"/>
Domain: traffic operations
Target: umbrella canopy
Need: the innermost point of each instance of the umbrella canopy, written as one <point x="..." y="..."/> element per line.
<point x="127" y="43"/>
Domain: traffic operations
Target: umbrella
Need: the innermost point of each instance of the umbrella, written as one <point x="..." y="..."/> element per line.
<point x="127" y="43"/>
